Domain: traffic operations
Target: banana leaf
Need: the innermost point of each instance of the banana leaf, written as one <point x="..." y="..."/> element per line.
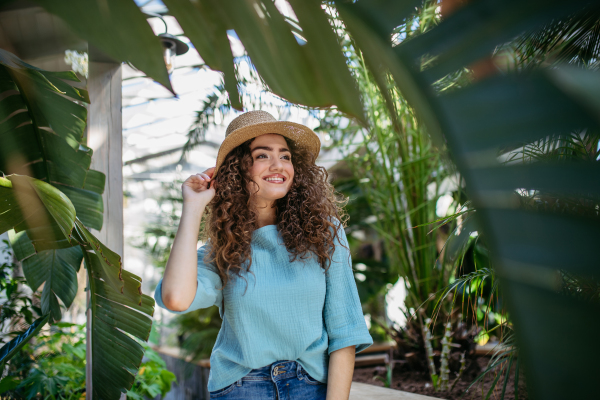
<point x="41" y="131"/>
<point x="41" y="138"/>
<point x="119" y="309"/>
<point x="117" y="313"/>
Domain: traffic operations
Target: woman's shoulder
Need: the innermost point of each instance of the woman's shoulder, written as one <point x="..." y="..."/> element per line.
<point x="337" y="226"/>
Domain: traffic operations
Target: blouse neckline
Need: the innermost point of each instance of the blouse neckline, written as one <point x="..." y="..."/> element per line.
<point x="265" y="228"/>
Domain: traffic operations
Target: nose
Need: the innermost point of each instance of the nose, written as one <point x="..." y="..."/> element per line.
<point x="276" y="164"/>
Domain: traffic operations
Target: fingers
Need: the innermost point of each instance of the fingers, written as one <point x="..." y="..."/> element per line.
<point x="207" y="177"/>
<point x="204" y="179"/>
<point x="210" y="172"/>
<point x="197" y="180"/>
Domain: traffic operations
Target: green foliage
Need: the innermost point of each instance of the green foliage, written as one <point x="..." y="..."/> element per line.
<point x="369" y="259"/>
<point x="153" y="378"/>
<point x="46" y="206"/>
<point x="53" y="367"/>
<point x="9" y="350"/>
<point x="573" y="39"/>
<point x="399" y="170"/>
<point x="197" y="331"/>
<point x="57" y="365"/>
<point x="505" y="354"/>
<point x="476" y="285"/>
<point x="19" y="308"/>
<point x="313" y="71"/>
<point x="507" y="111"/>
<point x="477" y="122"/>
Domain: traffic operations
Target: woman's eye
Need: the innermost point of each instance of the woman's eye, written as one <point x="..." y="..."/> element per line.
<point x="261" y="155"/>
<point x="287" y="157"/>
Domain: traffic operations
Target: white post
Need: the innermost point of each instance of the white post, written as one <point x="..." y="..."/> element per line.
<point x="104" y="136"/>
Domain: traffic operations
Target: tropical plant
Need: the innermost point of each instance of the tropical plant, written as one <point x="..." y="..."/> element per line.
<point x="398" y="168"/>
<point x="17" y="322"/>
<point x="197" y="332"/>
<point x="319" y="74"/>
<point x="48" y="201"/>
<point x="370" y="262"/>
<point x="476" y="122"/>
<point x="402" y="176"/>
<point x="153" y="379"/>
<point x="19" y="308"/>
<point x="52" y="365"/>
<point x="59" y="367"/>
<point x="572" y="39"/>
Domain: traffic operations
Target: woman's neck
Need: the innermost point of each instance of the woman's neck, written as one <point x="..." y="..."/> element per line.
<point x="265" y="214"/>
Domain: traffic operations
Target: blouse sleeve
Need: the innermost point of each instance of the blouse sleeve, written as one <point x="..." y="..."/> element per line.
<point x="207" y="293"/>
<point x="342" y="313"/>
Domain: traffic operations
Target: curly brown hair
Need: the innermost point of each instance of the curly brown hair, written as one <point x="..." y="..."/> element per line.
<point x="306" y="216"/>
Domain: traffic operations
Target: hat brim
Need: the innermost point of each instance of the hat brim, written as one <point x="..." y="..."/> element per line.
<point x="300" y="134"/>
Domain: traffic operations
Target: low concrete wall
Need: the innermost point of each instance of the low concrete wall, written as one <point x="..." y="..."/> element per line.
<point x="364" y="391"/>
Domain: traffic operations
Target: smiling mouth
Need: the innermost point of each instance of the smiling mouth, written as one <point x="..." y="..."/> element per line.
<point x="277" y="180"/>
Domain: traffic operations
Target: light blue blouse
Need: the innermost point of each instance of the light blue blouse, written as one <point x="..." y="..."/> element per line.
<point x="290" y="311"/>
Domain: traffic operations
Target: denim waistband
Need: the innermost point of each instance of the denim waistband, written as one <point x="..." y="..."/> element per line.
<point x="276" y="371"/>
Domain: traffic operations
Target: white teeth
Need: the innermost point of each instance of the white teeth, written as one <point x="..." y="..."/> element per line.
<point x="274" y="179"/>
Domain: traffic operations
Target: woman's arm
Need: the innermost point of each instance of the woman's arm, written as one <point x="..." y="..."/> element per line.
<point x="341" y="370"/>
<point x="180" y="280"/>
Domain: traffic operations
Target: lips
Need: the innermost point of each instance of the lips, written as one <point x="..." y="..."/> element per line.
<point x="275" y="178"/>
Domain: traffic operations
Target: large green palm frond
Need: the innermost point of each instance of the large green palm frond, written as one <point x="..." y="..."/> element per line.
<point x="298" y="58"/>
<point x="528" y="247"/>
<point x="574" y="39"/>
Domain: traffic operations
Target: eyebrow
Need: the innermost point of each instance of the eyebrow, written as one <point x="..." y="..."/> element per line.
<point x="268" y="149"/>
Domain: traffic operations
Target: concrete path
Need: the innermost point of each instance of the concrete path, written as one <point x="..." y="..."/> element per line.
<point x="364" y="391"/>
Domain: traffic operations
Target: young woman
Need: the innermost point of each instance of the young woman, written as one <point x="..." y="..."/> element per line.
<point x="276" y="263"/>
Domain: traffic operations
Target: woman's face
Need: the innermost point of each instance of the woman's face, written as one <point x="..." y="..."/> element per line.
<point x="272" y="169"/>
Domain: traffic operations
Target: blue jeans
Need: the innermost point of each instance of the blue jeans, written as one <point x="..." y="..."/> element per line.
<point x="282" y="380"/>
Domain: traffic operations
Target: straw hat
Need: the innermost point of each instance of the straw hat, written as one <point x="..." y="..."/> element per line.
<point x="255" y="123"/>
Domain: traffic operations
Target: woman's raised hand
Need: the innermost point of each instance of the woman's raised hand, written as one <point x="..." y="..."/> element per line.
<point x="196" y="187"/>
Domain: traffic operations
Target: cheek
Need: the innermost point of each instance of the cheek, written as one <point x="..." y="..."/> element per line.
<point x="255" y="170"/>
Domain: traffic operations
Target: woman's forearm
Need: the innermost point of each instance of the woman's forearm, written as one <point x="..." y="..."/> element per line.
<point x="341" y="370"/>
<point x="180" y="280"/>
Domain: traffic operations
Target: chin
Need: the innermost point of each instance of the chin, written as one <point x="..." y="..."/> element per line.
<point x="272" y="195"/>
<point x="276" y="196"/>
